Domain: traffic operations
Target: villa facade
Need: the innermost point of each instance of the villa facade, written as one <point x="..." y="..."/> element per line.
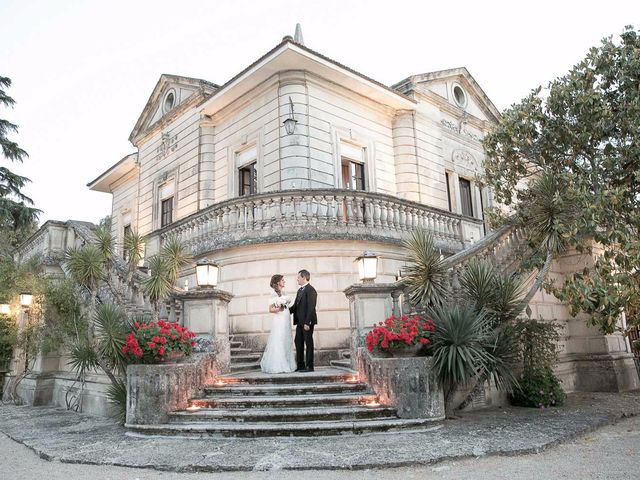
<point x="361" y="166"/>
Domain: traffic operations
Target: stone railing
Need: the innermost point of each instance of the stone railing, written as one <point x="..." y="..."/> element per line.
<point x="317" y="215"/>
<point x="504" y="248"/>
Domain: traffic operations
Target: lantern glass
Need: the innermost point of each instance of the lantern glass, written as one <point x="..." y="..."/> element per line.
<point x="290" y="125"/>
<point x="207" y="274"/>
<point x="5" y="309"/>
<point x="26" y="299"/>
<point x="368" y="266"/>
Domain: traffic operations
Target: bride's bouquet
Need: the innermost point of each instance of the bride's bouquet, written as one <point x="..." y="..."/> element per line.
<point x="282" y="302"/>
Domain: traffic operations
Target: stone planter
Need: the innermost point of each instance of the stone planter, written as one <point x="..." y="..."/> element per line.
<point x="403" y="352"/>
<point x="171" y="357"/>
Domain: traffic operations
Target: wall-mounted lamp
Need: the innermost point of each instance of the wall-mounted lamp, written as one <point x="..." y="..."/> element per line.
<point x="290" y="121"/>
<point x="5" y="309"/>
<point x="207" y="273"/>
<point x="25" y="299"/>
<point x="367" y="266"/>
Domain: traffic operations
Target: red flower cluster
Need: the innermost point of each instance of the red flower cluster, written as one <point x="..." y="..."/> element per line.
<point x="398" y="332"/>
<point x="150" y="342"/>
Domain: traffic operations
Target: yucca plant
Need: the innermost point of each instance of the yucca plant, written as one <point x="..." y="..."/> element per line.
<point x="176" y="257"/>
<point x="133" y="249"/>
<point x="117" y="395"/>
<point x="112" y="327"/>
<point x="461" y="348"/>
<point x="426" y="275"/>
<point x="105" y="244"/>
<point x="86" y="265"/>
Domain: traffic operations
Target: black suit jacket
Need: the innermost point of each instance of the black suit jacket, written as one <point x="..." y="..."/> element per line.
<point x="304" y="307"/>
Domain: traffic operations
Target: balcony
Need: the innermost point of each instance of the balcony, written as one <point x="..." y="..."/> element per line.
<point x="330" y="214"/>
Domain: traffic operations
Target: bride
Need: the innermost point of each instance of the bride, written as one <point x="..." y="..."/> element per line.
<point x="278" y="356"/>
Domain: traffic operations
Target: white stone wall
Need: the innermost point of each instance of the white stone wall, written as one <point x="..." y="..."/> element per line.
<point x="246" y="272"/>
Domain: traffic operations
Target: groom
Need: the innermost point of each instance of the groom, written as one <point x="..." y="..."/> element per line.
<point x="304" y="317"/>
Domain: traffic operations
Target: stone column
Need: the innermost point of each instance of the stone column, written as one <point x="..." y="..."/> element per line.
<point x="369" y="303"/>
<point x="206" y="169"/>
<point x="404" y="150"/>
<point x="294" y="149"/>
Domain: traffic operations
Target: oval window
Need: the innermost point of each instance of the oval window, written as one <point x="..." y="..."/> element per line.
<point x="169" y="102"/>
<point x="459" y="96"/>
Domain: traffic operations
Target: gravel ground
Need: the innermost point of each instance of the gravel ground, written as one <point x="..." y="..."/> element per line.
<point x="609" y="453"/>
<point x="67" y="439"/>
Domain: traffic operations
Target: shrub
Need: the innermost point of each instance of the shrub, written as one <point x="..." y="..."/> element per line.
<point x="400" y="332"/>
<point x="8" y="338"/>
<point x="154" y="342"/>
<point x="539" y="389"/>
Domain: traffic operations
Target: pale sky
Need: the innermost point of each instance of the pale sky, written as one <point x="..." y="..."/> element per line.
<point x="82" y="71"/>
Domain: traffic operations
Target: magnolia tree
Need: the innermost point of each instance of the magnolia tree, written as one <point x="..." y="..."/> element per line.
<point x="566" y="159"/>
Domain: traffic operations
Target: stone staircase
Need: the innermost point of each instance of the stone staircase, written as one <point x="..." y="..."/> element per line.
<point x="253" y="404"/>
<point x="243" y="359"/>
<point x="344" y="362"/>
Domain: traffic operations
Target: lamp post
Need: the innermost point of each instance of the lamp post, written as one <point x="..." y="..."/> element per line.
<point x="290" y="121"/>
<point x="207" y="274"/>
<point x="367" y="266"/>
<point x="25" y="299"/>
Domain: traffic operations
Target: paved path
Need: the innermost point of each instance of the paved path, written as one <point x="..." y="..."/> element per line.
<point x="610" y="453"/>
<point x="72" y="438"/>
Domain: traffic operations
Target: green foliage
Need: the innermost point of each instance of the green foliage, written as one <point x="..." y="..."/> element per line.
<point x="105" y="244"/>
<point x="581" y="138"/>
<point x="538" y="389"/>
<point x="112" y="326"/>
<point x="83" y="357"/>
<point x="8" y="340"/>
<point x="538" y="352"/>
<point x="86" y="266"/>
<point x="157" y="285"/>
<point x="538" y="344"/>
<point x="15" y="207"/>
<point x="176" y="257"/>
<point x="460" y="344"/>
<point x="133" y="249"/>
<point x="497" y="295"/>
<point x="426" y="274"/>
<point x="64" y="322"/>
<point x="117" y="395"/>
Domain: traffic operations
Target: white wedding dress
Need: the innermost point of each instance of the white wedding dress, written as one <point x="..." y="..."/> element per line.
<point x="278" y="356"/>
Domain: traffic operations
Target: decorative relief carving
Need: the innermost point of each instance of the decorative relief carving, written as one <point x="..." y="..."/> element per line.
<point x="460" y="128"/>
<point x="169" y="144"/>
<point x="464" y="159"/>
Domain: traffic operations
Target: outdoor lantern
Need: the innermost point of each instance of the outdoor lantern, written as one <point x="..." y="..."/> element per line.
<point x="25" y="299"/>
<point x="290" y="121"/>
<point x="5" y="309"/>
<point x="367" y="266"/>
<point x="207" y="273"/>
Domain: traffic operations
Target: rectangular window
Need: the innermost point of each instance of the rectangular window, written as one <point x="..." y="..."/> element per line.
<point x="447" y="178"/>
<point x="248" y="177"/>
<point x="166" y="212"/>
<point x="352" y="175"/>
<point x="465" y="197"/>
<point x="126" y="231"/>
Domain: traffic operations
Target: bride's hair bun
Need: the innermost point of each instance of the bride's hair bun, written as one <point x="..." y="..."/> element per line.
<point x="274" y="282"/>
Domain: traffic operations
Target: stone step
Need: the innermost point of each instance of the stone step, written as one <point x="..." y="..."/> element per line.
<point x="320" y="375"/>
<point x="240" y="351"/>
<point x="277" y="429"/>
<point x="212" y="391"/>
<point x="246" y="358"/>
<point x="244" y="367"/>
<point x="284" y="401"/>
<point x="342" y="364"/>
<point x="283" y="414"/>
<point x="235" y="344"/>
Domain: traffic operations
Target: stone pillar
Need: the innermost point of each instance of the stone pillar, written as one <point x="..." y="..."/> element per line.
<point x="404" y="150"/>
<point x="294" y="149"/>
<point x="206" y="169"/>
<point x="369" y="303"/>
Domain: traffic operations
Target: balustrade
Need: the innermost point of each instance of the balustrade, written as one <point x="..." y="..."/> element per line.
<point x="303" y="211"/>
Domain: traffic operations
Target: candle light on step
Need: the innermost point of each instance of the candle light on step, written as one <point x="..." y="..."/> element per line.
<point x="193" y="408"/>
<point x="352" y="379"/>
<point x="372" y="404"/>
<point x="219" y="383"/>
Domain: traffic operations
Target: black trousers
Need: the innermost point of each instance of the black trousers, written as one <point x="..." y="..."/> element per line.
<point x="304" y="338"/>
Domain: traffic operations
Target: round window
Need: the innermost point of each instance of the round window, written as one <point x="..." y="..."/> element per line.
<point x="459" y="96"/>
<point x="169" y="101"/>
